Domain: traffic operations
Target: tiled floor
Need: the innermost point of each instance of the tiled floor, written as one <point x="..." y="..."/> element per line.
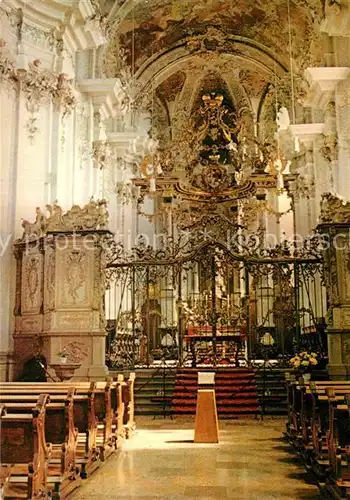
<point x="251" y="462"/>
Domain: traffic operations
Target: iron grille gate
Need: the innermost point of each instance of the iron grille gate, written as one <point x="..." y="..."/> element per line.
<point x="211" y="307"/>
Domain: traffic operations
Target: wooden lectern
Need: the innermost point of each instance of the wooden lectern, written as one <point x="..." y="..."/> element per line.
<point x="206" y="424"/>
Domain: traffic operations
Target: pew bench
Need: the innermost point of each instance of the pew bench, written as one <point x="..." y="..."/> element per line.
<point x="82" y="419"/>
<point x="64" y="464"/>
<point x="319" y="419"/>
<point x="25" y="453"/>
<point x="108" y="407"/>
<point x="84" y="422"/>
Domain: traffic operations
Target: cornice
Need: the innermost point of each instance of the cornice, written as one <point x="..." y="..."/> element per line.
<point x="80" y="25"/>
<point x="106" y="94"/>
<point x="122" y="140"/>
<point x="307" y="132"/>
<point x="43" y="15"/>
<point x="323" y="84"/>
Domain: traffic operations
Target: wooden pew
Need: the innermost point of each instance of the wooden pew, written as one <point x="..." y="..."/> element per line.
<point x="87" y="452"/>
<point x="294" y="402"/>
<point x="4" y="470"/>
<point x="92" y="428"/>
<point x="63" y="468"/>
<point x="118" y="409"/>
<point x="338" y="444"/>
<point x="104" y="432"/>
<point x="326" y="420"/>
<point x="24" y="451"/>
<point x="128" y="399"/>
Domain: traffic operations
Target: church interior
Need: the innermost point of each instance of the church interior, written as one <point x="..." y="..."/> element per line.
<point x="175" y="249"/>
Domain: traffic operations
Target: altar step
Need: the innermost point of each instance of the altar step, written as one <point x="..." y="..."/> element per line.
<point x="156" y="394"/>
<point x="153" y="391"/>
<point x="235" y="388"/>
<point x="271" y="389"/>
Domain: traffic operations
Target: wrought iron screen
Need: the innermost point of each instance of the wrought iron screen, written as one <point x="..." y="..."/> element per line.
<point x="208" y="305"/>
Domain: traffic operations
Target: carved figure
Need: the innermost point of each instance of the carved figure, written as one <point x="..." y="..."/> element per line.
<point x="93" y="216"/>
<point x="75" y="274"/>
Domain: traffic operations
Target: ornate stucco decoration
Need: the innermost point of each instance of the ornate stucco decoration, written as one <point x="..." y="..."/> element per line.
<point x="126" y="192"/>
<point x="102" y="154"/>
<point x="7" y="65"/>
<point x="212" y="157"/>
<point x="214" y="40"/>
<point x="97" y="24"/>
<point x="334" y="209"/>
<point x="92" y="216"/>
<point x="329" y="148"/>
<point x="302" y="186"/>
<point x="39" y="86"/>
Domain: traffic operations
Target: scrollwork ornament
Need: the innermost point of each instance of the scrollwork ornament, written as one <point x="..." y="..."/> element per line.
<point x="101" y="154"/>
<point x="334" y="209"/>
<point x="329" y="149"/>
<point x="93" y="216"/>
<point x="38" y="86"/>
<point x="303" y="186"/>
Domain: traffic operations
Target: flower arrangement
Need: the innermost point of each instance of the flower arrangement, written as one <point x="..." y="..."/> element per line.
<point x="63" y="353"/>
<point x="304" y="360"/>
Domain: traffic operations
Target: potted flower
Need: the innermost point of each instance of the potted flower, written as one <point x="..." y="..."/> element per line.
<point x="303" y="362"/>
<point x="63" y="355"/>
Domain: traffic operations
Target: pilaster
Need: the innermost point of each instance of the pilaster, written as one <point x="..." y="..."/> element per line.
<point x="307" y="172"/>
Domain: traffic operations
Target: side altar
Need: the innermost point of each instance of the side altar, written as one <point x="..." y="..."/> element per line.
<point x="60" y="288"/>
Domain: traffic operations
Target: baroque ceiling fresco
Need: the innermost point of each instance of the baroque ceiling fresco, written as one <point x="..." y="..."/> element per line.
<point x="178" y="50"/>
<point x="213" y="75"/>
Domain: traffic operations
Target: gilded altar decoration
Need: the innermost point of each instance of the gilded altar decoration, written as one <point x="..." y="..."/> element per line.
<point x="332" y="7"/>
<point x="334" y="209"/>
<point x="209" y="165"/>
<point x="92" y="216"/>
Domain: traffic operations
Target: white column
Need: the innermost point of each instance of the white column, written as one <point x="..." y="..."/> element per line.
<point x="308" y="134"/>
<point x="11" y="111"/>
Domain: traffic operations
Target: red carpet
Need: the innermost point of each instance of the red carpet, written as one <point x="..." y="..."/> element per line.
<point x="235" y="388"/>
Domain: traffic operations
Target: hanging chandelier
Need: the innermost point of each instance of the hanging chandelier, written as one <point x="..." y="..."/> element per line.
<point x="213" y="158"/>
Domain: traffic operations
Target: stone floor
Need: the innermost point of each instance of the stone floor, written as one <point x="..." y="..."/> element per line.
<point x="251" y="462"/>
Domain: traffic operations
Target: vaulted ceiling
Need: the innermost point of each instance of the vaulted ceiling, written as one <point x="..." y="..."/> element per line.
<point x="178" y="49"/>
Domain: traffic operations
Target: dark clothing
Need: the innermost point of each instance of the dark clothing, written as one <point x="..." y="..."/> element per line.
<point x="34" y="370"/>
